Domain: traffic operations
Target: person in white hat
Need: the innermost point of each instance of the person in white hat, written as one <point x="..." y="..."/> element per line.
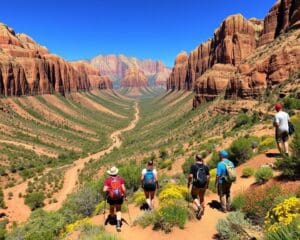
<point x="114" y="187"/>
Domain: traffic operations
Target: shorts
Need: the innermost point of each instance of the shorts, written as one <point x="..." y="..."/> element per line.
<point x="115" y="201"/>
<point x="198" y="192"/>
<point x="150" y="187"/>
<point x="224" y="189"/>
<point x="281" y="137"/>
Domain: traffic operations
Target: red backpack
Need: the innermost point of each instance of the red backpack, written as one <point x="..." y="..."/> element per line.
<point x="115" y="190"/>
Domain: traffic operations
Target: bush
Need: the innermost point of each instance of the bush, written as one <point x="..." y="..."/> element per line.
<point x="146" y="219"/>
<point x="291" y="103"/>
<point x="239" y="201"/>
<point x="35" y="200"/>
<point x="241" y="150"/>
<point x="282" y="214"/>
<point x="290" y="166"/>
<point x="172" y="215"/>
<point x="132" y="176"/>
<point x="2" y="202"/>
<point x="242" y="119"/>
<point x="232" y="228"/>
<point x="186" y="166"/>
<point x="247" y="172"/>
<point x="213" y="162"/>
<point x="212" y="180"/>
<point x="139" y="198"/>
<point x="172" y="193"/>
<point x="289" y="232"/>
<point x="163" y="154"/>
<point x="263" y="174"/>
<point x="267" y="143"/>
<point x="92" y="232"/>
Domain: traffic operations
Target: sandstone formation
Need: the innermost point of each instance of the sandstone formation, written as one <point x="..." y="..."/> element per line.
<point x="28" y="68"/>
<point x="244" y="57"/>
<point x="134" y="77"/>
<point x="96" y="80"/>
<point x="178" y="74"/>
<point x="115" y="66"/>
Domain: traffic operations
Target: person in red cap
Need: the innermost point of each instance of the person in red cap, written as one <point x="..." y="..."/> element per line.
<point x="281" y="124"/>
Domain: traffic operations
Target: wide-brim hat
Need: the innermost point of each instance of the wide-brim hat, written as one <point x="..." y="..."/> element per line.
<point x="113" y="171"/>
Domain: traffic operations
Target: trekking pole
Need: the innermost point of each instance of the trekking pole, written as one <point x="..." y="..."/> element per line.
<point x="129" y="213"/>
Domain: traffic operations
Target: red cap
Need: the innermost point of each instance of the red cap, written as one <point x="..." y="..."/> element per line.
<point x="278" y="106"/>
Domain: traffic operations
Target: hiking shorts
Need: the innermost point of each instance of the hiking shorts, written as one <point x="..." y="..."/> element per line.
<point x="281" y="137"/>
<point x="198" y="192"/>
<point x="149" y="187"/>
<point x="224" y="189"/>
<point x="115" y="201"/>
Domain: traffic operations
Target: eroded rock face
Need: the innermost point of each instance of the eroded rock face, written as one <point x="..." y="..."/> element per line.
<point x="283" y="16"/>
<point x="234" y="40"/>
<point x="28" y="68"/>
<point x="115" y="67"/>
<point x="134" y="77"/>
<point x="178" y="74"/>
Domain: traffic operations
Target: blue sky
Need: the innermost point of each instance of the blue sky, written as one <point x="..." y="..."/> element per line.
<point x="156" y="29"/>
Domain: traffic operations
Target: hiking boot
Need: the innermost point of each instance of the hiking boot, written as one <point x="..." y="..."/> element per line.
<point x="199" y="213"/>
<point x="118" y="226"/>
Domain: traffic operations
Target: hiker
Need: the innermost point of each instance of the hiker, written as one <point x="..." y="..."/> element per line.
<point x="149" y="181"/>
<point x="115" y="189"/>
<point x="281" y="124"/>
<point x="224" y="178"/>
<point x="199" y="177"/>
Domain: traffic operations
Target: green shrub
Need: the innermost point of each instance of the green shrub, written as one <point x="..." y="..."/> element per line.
<point x="132" y="176"/>
<point x="289" y="232"/>
<point x="186" y="166"/>
<point x="239" y="201"/>
<point x="172" y="215"/>
<point x="290" y="166"/>
<point x="212" y="180"/>
<point x="263" y="174"/>
<point x="242" y="119"/>
<point x="93" y="232"/>
<point x="35" y="200"/>
<point x="267" y="143"/>
<point x="163" y="153"/>
<point x="146" y="219"/>
<point x="139" y="198"/>
<point x="241" y="150"/>
<point x="232" y="228"/>
<point x="247" y="172"/>
<point x="213" y="162"/>
<point x="291" y="103"/>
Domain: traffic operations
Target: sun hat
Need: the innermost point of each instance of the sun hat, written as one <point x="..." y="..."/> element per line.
<point x="113" y="171"/>
<point x="223" y="154"/>
<point x="278" y="106"/>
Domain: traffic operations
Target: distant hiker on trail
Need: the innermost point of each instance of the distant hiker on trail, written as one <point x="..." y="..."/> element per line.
<point x="116" y="193"/>
<point x="149" y="181"/>
<point x="281" y="124"/>
<point x="224" y="178"/>
<point x="199" y="177"/>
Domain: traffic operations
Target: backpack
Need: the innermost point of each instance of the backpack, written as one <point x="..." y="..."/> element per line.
<point x="291" y="128"/>
<point x="149" y="178"/>
<point x="230" y="172"/>
<point x="115" y="191"/>
<point x="201" y="177"/>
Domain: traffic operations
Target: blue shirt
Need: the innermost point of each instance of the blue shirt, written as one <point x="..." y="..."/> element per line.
<point x="221" y="170"/>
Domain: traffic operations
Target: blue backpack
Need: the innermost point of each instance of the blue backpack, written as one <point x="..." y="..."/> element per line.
<point x="149" y="178"/>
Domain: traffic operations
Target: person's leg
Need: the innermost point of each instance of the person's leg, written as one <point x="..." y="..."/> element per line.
<point x="222" y="196"/>
<point x="195" y="196"/>
<point x="285" y="140"/>
<point x="201" y="197"/>
<point x="278" y="140"/>
<point x="119" y="217"/>
<point x="147" y="196"/>
<point x="151" y="196"/>
<point x="228" y="199"/>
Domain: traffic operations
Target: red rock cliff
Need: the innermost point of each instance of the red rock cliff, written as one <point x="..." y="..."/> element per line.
<point x="178" y="74"/>
<point x="28" y="68"/>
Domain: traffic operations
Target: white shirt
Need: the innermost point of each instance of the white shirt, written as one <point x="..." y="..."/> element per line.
<point x="145" y="170"/>
<point x="282" y="119"/>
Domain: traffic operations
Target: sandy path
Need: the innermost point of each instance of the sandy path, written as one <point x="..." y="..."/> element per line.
<point x="71" y="175"/>
<point x="19" y="212"/>
<point x="204" y="229"/>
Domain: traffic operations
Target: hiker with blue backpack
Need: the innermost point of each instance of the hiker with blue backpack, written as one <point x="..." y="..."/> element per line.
<point x="149" y="181"/>
<point x="224" y="178"/>
<point x="115" y="190"/>
<point x="199" y="177"/>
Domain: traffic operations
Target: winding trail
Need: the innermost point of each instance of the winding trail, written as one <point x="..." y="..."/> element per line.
<point x="17" y="211"/>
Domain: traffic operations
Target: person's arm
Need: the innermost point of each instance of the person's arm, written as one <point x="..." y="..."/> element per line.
<point x="218" y="174"/>
<point x="142" y="179"/>
<point x="208" y="177"/>
<point x="276" y="122"/>
<point x="124" y="191"/>
<point x="190" y="177"/>
<point x="156" y="178"/>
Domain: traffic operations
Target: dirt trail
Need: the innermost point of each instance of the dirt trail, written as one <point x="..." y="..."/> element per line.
<point x="204" y="229"/>
<point x="19" y="212"/>
<point x="71" y="175"/>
